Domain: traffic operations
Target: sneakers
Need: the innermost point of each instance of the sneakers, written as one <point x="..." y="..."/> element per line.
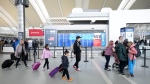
<point x="64" y="78"/>
<point x="17" y="68"/>
<point x="123" y="73"/>
<point x="74" y="66"/>
<point x="71" y="79"/>
<point x="48" y="70"/>
<point x="78" y="69"/>
<point x="27" y="67"/>
<point x="132" y="75"/>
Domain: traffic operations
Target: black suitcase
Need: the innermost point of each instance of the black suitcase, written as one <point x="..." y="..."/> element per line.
<point x="12" y="56"/>
<point x="7" y="63"/>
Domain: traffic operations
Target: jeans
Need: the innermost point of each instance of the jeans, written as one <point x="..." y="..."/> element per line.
<point x="107" y="61"/>
<point x="46" y="63"/>
<point x="65" y="72"/>
<point x="78" y="58"/>
<point x="34" y="53"/>
<point x="122" y="65"/>
<point x="131" y="66"/>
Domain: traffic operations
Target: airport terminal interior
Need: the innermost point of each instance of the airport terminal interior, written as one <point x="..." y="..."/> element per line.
<point x="105" y="41"/>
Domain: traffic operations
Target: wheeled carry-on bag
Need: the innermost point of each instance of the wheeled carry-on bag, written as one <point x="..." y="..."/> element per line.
<point x="36" y="65"/>
<point x="53" y="72"/>
<point x="7" y="63"/>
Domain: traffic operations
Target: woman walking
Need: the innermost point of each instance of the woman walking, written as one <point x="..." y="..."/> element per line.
<point x="132" y="58"/>
<point x="20" y="53"/>
<point x="108" y="52"/>
<point x="46" y="54"/>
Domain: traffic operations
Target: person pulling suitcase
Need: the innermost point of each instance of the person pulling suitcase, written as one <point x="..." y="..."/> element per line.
<point x="20" y="52"/>
<point x="46" y="54"/>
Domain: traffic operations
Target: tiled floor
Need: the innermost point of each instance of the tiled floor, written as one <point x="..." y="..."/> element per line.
<point x="92" y="73"/>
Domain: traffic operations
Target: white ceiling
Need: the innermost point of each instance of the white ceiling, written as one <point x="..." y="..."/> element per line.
<point x="58" y="9"/>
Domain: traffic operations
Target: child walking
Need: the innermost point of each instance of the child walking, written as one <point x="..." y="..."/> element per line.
<point x="65" y="65"/>
<point x="46" y="54"/>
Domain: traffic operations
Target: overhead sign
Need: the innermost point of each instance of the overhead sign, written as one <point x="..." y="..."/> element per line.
<point x="50" y="37"/>
<point x="35" y="32"/>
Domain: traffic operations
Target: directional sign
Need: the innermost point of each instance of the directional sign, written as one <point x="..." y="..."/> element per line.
<point x="50" y="37"/>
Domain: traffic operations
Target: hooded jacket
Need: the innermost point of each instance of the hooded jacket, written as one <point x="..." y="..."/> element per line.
<point x="132" y="52"/>
<point x="46" y="54"/>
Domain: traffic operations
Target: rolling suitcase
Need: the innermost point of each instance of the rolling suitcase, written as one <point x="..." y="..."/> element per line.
<point x="53" y="72"/>
<point x="36" y="65"/>
<point x="7" y="63"/>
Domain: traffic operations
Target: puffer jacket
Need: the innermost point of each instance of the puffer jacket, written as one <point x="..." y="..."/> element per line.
<point x="65" y="62"/>
<point x="19" y="50"/>
<point x="132" y="52"/>
<point x="46" y="54"/>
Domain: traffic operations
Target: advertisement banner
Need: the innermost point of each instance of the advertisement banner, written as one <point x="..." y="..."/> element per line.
<point x="35" y="32"/>
<point x="123" y="33"/>
<point x="50" y="37"/>
<point x="20" y="35"/>
<point x="97" y="39"/>
<point x="130" y="34"/>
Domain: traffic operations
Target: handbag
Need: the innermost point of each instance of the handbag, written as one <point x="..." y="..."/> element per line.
<point x="19" y="54"/>
<point x="103" y="53"/>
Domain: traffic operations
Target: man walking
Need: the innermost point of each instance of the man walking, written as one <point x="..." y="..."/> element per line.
<point x="77" y="53"/>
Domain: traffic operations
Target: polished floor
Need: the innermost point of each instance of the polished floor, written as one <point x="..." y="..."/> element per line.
<point x="92" y="73"/>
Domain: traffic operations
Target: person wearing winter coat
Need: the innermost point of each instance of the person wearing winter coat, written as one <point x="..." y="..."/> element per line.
<point x="122" y="56"/>
<point x="65" y="65"/>
<point x="46" y="54"/>
<point x="20" y="53"/>
<point x="132" y="57"/>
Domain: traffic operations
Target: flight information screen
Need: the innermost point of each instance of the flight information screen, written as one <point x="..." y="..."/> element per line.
<point x="87" y="40"/>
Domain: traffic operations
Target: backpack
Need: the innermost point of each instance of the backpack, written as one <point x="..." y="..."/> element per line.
<point x="138" y="51"/>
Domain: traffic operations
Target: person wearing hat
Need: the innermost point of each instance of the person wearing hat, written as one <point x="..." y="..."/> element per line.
<point x="77" y="53"/>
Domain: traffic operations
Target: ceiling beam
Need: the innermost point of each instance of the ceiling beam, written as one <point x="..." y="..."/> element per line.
<point x="126" y="4"/>
<point x="61" y="10"/>
<point x="104" y="3"/>
<point x="41" y="10"/>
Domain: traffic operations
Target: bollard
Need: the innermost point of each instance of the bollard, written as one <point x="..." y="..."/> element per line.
<point x="63" y="50"/>
<point x="144" y="59"/>
<point x="38" y="54"/>
<point x="86" y="55"/>
<point x="54" y="52"/>
<point x="71" y="54"/>
<point x="91" y="53"/>
<point x="29" y="55"/>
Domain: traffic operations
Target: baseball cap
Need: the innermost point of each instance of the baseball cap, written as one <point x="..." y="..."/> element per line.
<point x="78" y="37"/>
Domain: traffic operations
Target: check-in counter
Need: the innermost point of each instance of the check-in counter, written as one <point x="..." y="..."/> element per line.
<point x="8" y="50"/>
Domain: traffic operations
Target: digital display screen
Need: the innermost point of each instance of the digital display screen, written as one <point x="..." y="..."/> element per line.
<point x="87" y="40"/>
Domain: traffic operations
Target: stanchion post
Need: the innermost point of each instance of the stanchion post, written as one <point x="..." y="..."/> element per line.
<point x="144" y="59"/>
<point x="63" y="50"/>
<point x="92" y="53"/>
<point x="30" y="55"/>
<point x="54" y="52"/>
<point x="71" y="54"/>
<point x="38" y="53"/>
<point x="86" y="55"/>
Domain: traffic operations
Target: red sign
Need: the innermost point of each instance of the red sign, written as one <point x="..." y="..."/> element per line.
<point x="35" y="32"/>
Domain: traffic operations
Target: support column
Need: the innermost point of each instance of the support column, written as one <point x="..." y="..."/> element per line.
<point x="20" y="21"/>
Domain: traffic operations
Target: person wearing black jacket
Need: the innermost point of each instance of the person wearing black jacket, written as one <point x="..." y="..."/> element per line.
<point x="65" y="65"/>
<point x="26" y="45"/>
<point x="77" y="53"/>
<point x="34" y="45"/>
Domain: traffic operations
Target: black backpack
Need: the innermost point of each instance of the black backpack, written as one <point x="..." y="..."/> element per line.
<point x="138" y="51"/>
